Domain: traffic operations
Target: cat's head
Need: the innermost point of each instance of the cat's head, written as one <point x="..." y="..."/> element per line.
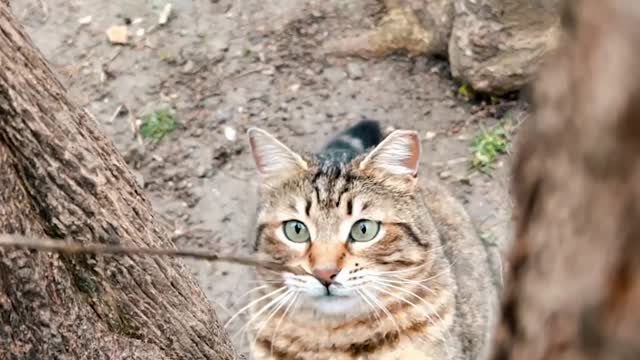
<point x="351" y="225"/>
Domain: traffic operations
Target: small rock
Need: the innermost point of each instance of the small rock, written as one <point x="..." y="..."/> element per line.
<point x="223" y="115"/>
<point x="430" y="135"/>
<point x="188" y="66"/>
<point x="179" y="232"/>
<point x="218" y="45"/>
<point x="85" y="20"/>
<point x="140" y="32"/>
<point x="201" y="171"/>
<point x="118" y="34"/>
<point x="269" y="71"/>
<point x="444" y="175"/>
<point x="230" y="133"/>
<point x="334" y="74"/>
<point x="354" y="70"/>
<point x="137" y="20"/>
<point x="295" y="87"/>
<point x="139" y="179"/>
<point x="163" y="18"/>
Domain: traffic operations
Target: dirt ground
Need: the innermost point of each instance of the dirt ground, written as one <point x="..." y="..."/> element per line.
<point x="224" y="64"/>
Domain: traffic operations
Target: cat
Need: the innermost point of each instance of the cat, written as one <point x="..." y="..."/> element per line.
<point x="392" y="267"/>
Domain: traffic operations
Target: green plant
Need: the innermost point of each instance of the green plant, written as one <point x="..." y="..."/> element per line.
<point x="158" y="124"/>
<point x="467" y="92"/>
<point x="487" y="146"/>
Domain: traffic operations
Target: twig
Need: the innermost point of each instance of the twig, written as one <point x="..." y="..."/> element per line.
<point x="70" y="248"/>
<point x="115" y="114"/>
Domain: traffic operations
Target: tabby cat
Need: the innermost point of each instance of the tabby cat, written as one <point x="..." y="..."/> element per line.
<point x="392" y="266"/>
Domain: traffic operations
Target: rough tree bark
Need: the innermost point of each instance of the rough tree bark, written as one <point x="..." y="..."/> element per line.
<point x="61" y="178"/>
<point x="575" y="270"/>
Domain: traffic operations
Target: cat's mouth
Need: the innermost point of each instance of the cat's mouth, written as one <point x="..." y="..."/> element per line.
<point x="335" y="299"/>
<point x="334" y="291"/>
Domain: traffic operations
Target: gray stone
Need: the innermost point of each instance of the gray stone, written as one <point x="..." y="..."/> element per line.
<point x="355" y="70"/>
<point x="501" y="53"/>
<point x="201" y="171"/>
<point x="334" y="74"/>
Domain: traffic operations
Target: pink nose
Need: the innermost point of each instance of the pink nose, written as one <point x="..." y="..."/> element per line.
<point x="326" y="276"/>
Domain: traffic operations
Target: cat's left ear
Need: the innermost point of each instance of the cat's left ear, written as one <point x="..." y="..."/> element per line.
<point x="273" y="159"/>
<point x="397" y="154"/>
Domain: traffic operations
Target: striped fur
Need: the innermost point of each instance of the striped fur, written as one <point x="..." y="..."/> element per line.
<point x="421" y="289"/>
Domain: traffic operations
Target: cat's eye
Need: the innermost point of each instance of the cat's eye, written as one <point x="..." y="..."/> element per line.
<point x="364" y="230"/>
<point x="296" y="231"/>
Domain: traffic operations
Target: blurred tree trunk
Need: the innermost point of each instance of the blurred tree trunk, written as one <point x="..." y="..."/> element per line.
<point x="61" y="178"/>
<point x="574" y="288"/>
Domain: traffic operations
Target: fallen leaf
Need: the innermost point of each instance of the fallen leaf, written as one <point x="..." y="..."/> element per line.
<point x="118" y="34"/>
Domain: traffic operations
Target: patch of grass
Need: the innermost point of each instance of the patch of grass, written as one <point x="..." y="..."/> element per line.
<point x="487" y="146"/>
<point x="158" y="124"/>
<point x="467" y="92"/>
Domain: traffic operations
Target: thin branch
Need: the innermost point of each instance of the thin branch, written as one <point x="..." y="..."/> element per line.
<point x="70" y="248"/>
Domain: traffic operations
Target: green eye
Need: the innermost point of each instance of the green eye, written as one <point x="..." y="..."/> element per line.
<point x="364" y="230"/>
<point x="296" y="231"/>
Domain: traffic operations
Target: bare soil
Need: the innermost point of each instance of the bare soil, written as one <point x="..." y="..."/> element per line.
<point x="233" y="64"/>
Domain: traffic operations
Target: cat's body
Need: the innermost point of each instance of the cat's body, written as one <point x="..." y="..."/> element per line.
<point x="396" y="269"/>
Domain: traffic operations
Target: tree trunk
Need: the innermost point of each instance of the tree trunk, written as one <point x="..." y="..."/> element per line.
<point x="61" y="178"/>
<point x="574" y="287"/>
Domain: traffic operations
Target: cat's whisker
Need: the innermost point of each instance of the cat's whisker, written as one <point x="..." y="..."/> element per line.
<point x="404" y="281"/>
<point x="282" y="302"/>
<point x="284" y="315"/>
<point x="274" y="281"/>
<point x="443" y="272"/>
<point x="411" y="293"/>
<point x="262" y="310"/>
<point x="253" y="290"/>
<point x="442" y="338"/>
<point x="383" y="308"/>
<point x="244" y="308"/>
<point x="415" y="268"/>
<point x="432" y="309"/>
<point x="368" y="302"/>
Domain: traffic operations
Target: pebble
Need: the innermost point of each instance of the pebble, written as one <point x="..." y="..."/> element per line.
<point x="430" y="135"/>
<point x="201" y="171"/>
<point x="163" y="18"/>
<point x="85" y="20"/>
<point x="444" y="175"/>
<point x="139" y="179"/>
<point x="230" y="133"/>
<point x="295" y="87"/>
<point x="188" y="66"/>
<point x="118" y="34"/>
<point x="354" y="70"/>
<point x="223" y="115"/>
<point x="334" y="74"/>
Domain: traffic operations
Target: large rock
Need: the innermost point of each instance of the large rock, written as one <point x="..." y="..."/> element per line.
<point x="418" y="27"/>
<point x="496" y="46"/>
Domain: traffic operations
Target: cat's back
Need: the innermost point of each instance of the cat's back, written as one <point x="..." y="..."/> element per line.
<point x="472" y="266"/>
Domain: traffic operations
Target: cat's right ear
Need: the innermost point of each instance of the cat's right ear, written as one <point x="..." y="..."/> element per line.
<point x="273" y="159"/>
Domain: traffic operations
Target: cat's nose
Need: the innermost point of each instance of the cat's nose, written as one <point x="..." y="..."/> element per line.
<point x="326" y="276"/>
